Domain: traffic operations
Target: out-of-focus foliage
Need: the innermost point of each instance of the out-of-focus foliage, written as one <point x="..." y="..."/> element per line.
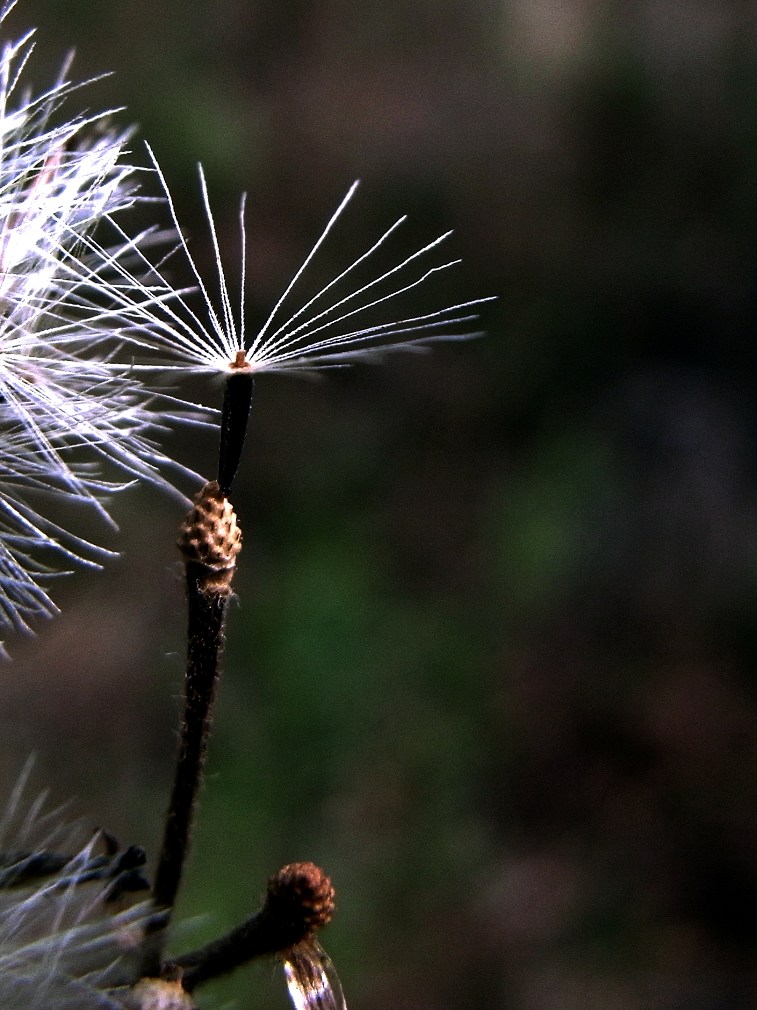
<point x="493" y="660"/>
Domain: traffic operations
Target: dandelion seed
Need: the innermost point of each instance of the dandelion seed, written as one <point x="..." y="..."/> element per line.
<point x="324" y="332"/>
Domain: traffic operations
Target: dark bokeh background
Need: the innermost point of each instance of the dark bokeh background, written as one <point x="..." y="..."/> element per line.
<point x="493" y="663"/>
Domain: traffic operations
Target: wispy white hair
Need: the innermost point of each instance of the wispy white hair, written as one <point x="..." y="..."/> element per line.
<point x="75" y="424"/>
<point x="61" y="943"/>
<point x="323" y="331"/>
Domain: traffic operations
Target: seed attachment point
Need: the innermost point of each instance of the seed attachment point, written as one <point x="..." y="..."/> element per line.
<point x="240" y="362"/>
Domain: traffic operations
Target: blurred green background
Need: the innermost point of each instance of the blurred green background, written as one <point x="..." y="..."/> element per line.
<point x="493" y="659"/>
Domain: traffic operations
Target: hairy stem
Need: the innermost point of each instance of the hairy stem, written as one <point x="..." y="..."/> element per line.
<point x="206" y="621"/>
<point x="250" y="940"/>
<point x="210" y="540"/>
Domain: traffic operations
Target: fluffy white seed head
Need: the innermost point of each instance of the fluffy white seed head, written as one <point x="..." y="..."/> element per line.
<point x="76" y="423"/>
<point x="63" y="944"/>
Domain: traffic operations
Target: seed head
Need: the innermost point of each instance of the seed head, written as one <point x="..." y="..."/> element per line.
<point x="75" y="424"/>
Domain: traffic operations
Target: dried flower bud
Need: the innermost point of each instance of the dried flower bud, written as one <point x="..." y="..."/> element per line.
<point x="211" y="538"/>
<point x="300" y="900"/>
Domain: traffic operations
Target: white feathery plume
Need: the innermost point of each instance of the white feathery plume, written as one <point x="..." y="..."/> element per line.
<point x="61" y="944"/>
<point x="33" y="548"/>
<point x="73" y="421"/>
<point x="323" y="332"/>
<point x="59" y="332"/>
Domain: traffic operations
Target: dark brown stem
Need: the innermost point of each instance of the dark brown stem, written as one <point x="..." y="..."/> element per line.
<point x="237" y="401"/>
<point x="210" y="541"/>
<point x="206" y="620"/>
<point x="250" y="940"/>
<point x="300" y="900"/>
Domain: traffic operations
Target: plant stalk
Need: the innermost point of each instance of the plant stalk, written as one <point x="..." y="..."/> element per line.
<point x="206" y="621"/>
<point x="235" y="415"/>
<point x="210" y="541"/>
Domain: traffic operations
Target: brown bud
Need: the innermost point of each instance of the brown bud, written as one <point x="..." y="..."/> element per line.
<point x="211" y="538"/>
<point x="300" y="900"/>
